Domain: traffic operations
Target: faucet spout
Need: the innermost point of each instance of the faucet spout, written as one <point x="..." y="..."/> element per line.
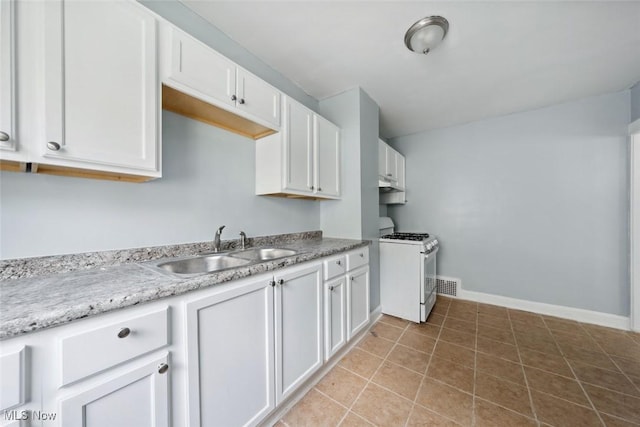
<point x="243" y="240"/>
<point x="216" y="239"/>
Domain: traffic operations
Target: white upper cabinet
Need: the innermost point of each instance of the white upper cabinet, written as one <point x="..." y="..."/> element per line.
<point x="327" y="156"/>
<point x="301" y="161"/>
<point x="101" y="88"/>
<point x="391" y="167"/>
<point x="400" y="162"/>
<point x="298" y="147"/>
<point x="197" y="71"/>
<point x="7" y="79"/>
<point x="209" y="74"/>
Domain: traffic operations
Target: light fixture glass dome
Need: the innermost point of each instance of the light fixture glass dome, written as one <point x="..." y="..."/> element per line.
<point x="426" y="34"/>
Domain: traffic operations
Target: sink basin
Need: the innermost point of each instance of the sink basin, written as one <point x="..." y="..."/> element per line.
<point x="264" y="254"/>
<point x="203" y="264"/>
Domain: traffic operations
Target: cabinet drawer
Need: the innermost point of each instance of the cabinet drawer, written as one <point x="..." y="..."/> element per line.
<point x="334" y="267"/>
<point x="357" y="258"/>
<point x="93" y="351"/>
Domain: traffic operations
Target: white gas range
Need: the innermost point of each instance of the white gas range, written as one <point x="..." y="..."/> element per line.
<point x="408" y="274"/>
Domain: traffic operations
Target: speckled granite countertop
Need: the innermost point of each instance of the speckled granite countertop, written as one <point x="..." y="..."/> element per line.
<point x="71" y="292"/>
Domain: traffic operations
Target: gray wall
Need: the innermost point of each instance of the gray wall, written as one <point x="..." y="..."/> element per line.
<point x="356" y="215"/>
<point x="192" y="23"/>
<point x="208" y="180"/>
<point x="532" y="205"/>
<point x="635" y="102"/>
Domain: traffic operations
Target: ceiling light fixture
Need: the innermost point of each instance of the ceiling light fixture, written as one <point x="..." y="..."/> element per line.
<point x="426" y="34"/>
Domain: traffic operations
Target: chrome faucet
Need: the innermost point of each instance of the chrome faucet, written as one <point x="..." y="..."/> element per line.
<point x="243" y="240"/>
<point x="216" y="240"/>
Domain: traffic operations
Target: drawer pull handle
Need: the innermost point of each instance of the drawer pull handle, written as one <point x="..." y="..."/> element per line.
<point x="124" y="332"/>
<point x="53" y="146"/>
<point x="162" y="368"/>
<point x="339" y="262"/>
<point x="4" y="136"/>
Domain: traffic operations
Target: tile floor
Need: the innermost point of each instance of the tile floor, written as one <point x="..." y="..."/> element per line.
<point x="480" y="365"/>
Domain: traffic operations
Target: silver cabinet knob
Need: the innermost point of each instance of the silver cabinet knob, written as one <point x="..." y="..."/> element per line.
<point x="389" y="174"/>
<point x="53" y="146"/>
<point x="281" y="282"/>
<point x="339" y="262"/>
<point x="272" y="283"/>
<point x="361" y="255"/>
<point x="233" y="97"/>
<point x="162" y="368"/>
<point x="353" y="278"/>
<point x="241" y="100"/>
<point x="311" y="187"/>
<point x="331" y="288"/>
<point x="4" y="136"/>
<point x="124" y="332"/>
<point x="319" y="189"/>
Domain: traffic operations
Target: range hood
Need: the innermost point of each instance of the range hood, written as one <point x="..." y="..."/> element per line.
<point x="387" y="186"/>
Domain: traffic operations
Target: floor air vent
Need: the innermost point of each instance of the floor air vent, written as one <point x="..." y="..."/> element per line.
<point x="447" y="285"/>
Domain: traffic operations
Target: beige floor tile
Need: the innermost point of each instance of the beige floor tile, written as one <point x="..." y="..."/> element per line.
<point x="394" y="321"/>
<point x="523" y="328"/>
<point x="315" y="410"/>
<point x="537" y="343"/>
<point x="382" y="407"/>
<point x="409" y="358"/>
<point x="465" y="305"/>
<point x="497" y="334"/>
<point x="628" y="366"/>
<point x="455" y="375"/>
<point x="353" y="420"/>
<point x="622" y="346"/>
<point x="432" y="331"/>
<point x="503" y="393"/>
<point x="578" y="340"/>
<point x="455" y="353"/>
<point x="435" y="319"/>
<point x="489" y="415"/>
<point x="418" y="342"/>
<point x="447" y="401"/>
<point x="460" y="314"/>
<point x="376" y="345"/>
<point x="634" y="336"/>
<point x="595" y="358"/>
<point x="611" y="421"/>
<point x="563" y="325"/>
<point x="422" y="417"/>
<point x="460" y="325"/>
<point x="498" y="349"/>
<point x="533" y="319"/>
<point x="361" y="362"/>
<point x="463" y="339"/>
<point x="560" y="413"/>
<point x="493" y="310"/>
<point x="547" y="362"/>
<point x="616" y="404"/>
<point x="500" y="368"/>
<point x="493" y="321"/>
<point x="601" y="332"/>
<point x="341" y="385"/>
<point x="384" y="330"/>
<point x="604" y="378"/>
<point x="398" y="379"/>
<point x="441" y="307"/>
<point x="556" y="385"/>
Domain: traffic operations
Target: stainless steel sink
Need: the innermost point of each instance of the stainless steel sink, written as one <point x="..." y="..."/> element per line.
<point x="264" y="254"/>
<point x="203" y="264"/>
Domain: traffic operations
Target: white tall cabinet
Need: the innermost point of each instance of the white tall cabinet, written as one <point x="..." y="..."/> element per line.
<point x="8" y="141"/>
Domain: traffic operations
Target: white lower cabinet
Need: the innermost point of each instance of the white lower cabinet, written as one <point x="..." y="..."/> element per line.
<point x="298" y="321"/>
<point x="230" y="356"/>
<point x="137" y="398"/>
<point x="335" y="326"/>
<point x="358" y="300"/>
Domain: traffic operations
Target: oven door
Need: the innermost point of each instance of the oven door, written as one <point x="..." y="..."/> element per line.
<point x="428" y="291"/>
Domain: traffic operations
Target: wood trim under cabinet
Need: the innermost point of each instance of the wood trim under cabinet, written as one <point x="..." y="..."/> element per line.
<point x="11" y="166"/>
<point x="188" y="106"/>
<point x="85" y="173"/>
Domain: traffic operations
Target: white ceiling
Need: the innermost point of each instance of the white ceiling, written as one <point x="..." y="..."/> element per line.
<point x="498" y="58"/>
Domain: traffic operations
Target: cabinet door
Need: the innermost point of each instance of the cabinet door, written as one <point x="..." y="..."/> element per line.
<point x="101" y="85"/>
<point x="335" y="315"/>
<point x="298" y="148"/>
<point x="382" y="159"/>
<point x="258" y="98"/>
<point x="7" y="82"/>
<point x="400" y="162"/>
<point x="327" y="155"/>
<point x="200" y="68"/>
<point x="230" y="355"/>
<point x="358" y="300"/>
<point x="392" y="167"/>
<point x="298" y="308"/>
<point x="138" y="398"/>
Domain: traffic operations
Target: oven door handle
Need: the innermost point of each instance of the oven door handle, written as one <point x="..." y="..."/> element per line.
<point x="433" y="252"/>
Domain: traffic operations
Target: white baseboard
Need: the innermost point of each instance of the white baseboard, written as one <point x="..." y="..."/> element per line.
<point x="375" y="314"/>
<point x="578" y="314"/>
